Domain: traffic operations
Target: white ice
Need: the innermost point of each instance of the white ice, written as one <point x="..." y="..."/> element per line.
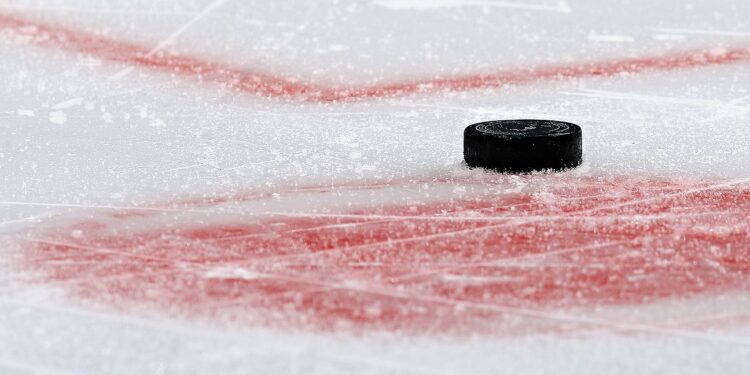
<point x="79" y="132"/>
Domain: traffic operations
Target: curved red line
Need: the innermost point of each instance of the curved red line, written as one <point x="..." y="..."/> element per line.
<point x="272" y="86"/>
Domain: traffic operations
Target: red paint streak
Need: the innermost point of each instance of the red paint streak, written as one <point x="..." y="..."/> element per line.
<point x="99" y="46"/>
<point x="268" y="85"/>
<point x="456" y="266"/>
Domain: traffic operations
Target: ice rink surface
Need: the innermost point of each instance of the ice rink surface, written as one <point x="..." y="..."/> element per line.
<point x="277" y="187"/>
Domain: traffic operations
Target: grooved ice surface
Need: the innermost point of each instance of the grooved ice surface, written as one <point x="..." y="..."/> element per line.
<point x="160" y="214"/>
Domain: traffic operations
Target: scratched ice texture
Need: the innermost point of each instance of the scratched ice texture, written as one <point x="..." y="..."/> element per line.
<point x="277" y="187"/>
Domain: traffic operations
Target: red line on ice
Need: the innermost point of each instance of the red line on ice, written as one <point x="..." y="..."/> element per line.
<point x="268" y="85"/>
<point x="458" y="266"/>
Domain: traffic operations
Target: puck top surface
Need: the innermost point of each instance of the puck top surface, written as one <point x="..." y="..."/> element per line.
<point x="526" y="128"/>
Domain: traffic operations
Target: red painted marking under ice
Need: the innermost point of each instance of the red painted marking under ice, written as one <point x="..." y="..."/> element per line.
<point x="454" y="266"/>
<point x="268" y="85"/>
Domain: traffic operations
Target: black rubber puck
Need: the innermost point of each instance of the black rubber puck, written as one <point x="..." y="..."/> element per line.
<point x="521" y="146"/>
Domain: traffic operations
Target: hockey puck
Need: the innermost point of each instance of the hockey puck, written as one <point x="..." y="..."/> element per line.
<point x="521" y="146"/>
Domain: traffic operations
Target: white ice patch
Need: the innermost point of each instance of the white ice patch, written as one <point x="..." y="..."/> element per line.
<point x="611" y="38"/>
<point x="668" y="37"/>
<point x="232" y="273"/>
<point x="478" y="280"/>
<point x="560" y="6"/>
<point x="672" y="30"/>
<point x="58" y="117"/>
<point x="338" y="48"/>
<point x="25" y="112"/>
<point x="68" y="104"/>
